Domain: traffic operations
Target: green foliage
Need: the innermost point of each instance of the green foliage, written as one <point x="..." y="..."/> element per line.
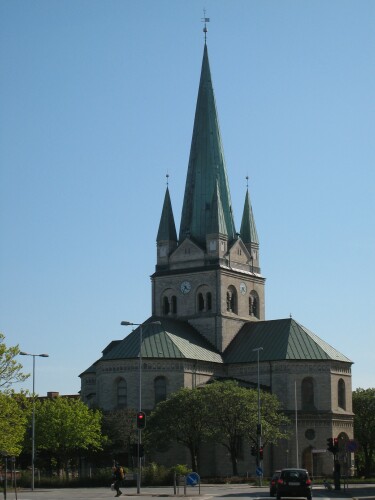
<point x="10" y="369"/>
<point x="364" y="428"/>
<point x="222" y="411"/>
<point x="183" y="419"/>
<point x="13" y="418"/>
<point x="155" y="474"/>
<point x="234" y="416"/>
<point x="181" y="470"/>
<point x="66" y="427"/>
<point x="120" y="428"/>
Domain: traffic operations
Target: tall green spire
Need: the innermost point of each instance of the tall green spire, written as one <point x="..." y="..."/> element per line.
<point x="206" y="168"/>
<point x="248" y="231"/>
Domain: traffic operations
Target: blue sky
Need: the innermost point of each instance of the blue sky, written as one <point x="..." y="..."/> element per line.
<point x="97" y="101"/>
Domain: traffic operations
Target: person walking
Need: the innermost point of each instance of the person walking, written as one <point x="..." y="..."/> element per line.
<point x="118" y="476"/>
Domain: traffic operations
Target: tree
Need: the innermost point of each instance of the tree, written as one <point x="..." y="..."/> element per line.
<point x="234" y="416"/>
<point x="66" y="428"/>
<point x="10" y="369"/>
<point x="13" y="419"/>
<point x="364" y="426"/>
<point x="182" y="418"/>
<point x="120" y="429"/>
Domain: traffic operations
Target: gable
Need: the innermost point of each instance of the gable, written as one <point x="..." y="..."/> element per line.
<point x="185" y="252"/>
<point x="238" y="253"/>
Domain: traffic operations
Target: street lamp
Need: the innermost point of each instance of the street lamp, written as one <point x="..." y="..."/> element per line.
<point x="259" y="426"/>
<point x="33" y="419"/>
<point x="129" y="323"/>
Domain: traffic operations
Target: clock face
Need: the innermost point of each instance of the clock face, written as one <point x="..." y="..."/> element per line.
<point x="243" y="288"/>
<point x="185" y="287"/>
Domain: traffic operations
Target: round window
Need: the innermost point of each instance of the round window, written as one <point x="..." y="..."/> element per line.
<point x="310" y="434"/>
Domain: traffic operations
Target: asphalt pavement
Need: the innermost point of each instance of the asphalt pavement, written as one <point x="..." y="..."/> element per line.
<point x="226" y="492"/>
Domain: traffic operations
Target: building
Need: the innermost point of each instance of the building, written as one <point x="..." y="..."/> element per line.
<point x="208" y="293"/>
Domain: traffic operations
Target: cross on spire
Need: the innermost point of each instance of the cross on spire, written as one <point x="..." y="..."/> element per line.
<point x="205" y="20"/>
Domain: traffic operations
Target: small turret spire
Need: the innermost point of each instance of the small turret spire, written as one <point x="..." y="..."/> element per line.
<point x="248" y="229"/>
<point x="167" y="227"/>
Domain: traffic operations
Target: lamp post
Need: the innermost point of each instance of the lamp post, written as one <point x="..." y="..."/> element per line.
<point x="129" y="323"/>
<point x="33" y="417"/>
<point x="259" y="426"/>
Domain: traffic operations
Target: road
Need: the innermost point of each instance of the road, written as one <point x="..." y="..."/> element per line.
<point x="360" y="492"/>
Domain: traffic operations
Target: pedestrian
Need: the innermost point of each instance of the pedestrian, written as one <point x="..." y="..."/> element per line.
<point x="118" y="476"/>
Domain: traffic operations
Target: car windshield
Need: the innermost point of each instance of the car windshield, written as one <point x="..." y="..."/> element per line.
<point x="294" y="475"/>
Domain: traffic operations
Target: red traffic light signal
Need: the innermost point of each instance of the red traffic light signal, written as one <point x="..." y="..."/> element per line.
<point x="335" y="445"/>
<point x="261" y="453"/>
<point x="141" y="420"/>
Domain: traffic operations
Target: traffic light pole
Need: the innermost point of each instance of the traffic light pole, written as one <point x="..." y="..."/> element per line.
<point x="139" y="476"/>
<point x="259" y="426"/>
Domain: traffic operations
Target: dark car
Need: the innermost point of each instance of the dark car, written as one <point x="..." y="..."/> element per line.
<point x="273" y="482"/>
<point x="294" y="483"/>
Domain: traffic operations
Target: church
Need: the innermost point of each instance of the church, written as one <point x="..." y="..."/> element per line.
<point x="208" y="322"/>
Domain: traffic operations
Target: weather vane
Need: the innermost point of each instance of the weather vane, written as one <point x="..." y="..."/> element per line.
<point x="205" y="20"/>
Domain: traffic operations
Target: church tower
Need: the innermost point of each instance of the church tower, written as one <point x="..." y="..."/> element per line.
<point x="211" y="275"/>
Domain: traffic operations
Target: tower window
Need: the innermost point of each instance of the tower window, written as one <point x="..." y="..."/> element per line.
<point x="165" y="305"/>
<point x="254" y="304"/>
<point x="200" y="302"/>
<point x="341" y="394"/>
<point x="232" y="300"/>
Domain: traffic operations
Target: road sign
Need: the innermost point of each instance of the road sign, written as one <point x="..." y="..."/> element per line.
<point x="352" y="445"/>
<point x="319" y="451"/>
<point x="192" y="479"/>
<point x="259" y="471"/>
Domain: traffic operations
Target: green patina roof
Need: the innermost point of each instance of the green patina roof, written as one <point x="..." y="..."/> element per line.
<point x="248" y="229"/>
<point x="217" y="222"/>
<point x="169" y="340"/>
<point x="167" y="227"/>
<point x="282" y="339"/>
<point x="206" y="167"/>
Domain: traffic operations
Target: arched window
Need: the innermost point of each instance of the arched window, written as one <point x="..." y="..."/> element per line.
<point x="160" y="389"/>
<point x="121" y="393"/>
<point x="232" y="300"/>
<point x="165" y="305"/>
<point x="200" y="302"/>
<point x="209" y="301"/>
<point x="307" y="393"/>
<point x="341" y="396"/>
<point x="174" y="304"/>
<point x="254" y="304"/>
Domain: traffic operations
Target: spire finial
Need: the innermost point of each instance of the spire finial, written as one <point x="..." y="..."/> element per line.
<point x="167" y="177"/>
<point x="205" y="20"/>
<point x="247" y="182"/>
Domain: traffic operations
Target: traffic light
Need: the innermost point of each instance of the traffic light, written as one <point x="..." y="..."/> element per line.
<point x="335" y="445"/>
<point x="141" y="420"/>
<point x="330" y="444"/>
<point x="254" y="451"/>
<point x="261" y="453"/>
